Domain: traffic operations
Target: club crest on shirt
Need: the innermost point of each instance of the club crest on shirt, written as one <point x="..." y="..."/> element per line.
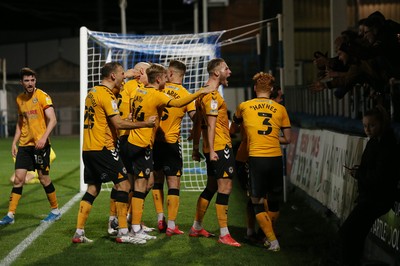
<point x="214" y="107"/>
<point x="114" y="106"/>
<point x="147" y="171"/>
<point x="230" y="170"/>
<point x="104" y="177"/>
<point x="214" y="104"/>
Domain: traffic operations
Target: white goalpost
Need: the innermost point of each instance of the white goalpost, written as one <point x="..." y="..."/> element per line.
<point x="195" y="50"/>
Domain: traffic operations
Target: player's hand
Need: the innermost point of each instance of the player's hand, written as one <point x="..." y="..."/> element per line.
<point x="190" y="135"/>
<point x="352" y="170"/>
<point x="131" y="73"/>
<point x="196" y="155"/>
<point x="214" y="156"/>
<point x="14" y="150"/>
<point x="40" y="143"/>
<point x="317" y="86"/>
<point x="130" y="117"/>
<point x="151" y="122"/>
<point x="209" y="87"/>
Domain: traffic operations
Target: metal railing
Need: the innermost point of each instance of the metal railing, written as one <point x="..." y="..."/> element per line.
<point x="323" y="104"/>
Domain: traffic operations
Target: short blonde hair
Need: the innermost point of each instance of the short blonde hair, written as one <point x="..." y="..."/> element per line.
<point x="154" y="71"/>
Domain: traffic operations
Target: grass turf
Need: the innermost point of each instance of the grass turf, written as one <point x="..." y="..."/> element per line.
<point x="306" y="236"/>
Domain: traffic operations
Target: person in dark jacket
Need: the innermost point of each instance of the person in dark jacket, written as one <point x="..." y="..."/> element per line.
<point x="377" y="177"/>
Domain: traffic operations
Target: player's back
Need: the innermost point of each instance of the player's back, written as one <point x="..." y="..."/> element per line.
<point x="263" y="119"/>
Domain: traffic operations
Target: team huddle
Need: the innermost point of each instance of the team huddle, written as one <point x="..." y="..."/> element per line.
<point x="132" y="139"/>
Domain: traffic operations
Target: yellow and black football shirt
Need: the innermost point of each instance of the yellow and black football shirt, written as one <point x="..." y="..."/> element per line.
<point x="215" y="105"/>
<point x="171" y="119"/>
<point x="263" y="120"/>
<point x="31" y="110"/>
<point x="100" y="103"/>
<point x="125" y="101"/>
<point x="146" y="102"/>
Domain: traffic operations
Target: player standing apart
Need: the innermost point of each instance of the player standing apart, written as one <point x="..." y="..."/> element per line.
<point x="31" y="144"/>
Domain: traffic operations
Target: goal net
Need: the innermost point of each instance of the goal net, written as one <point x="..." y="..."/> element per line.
<point x="195" y="50"/>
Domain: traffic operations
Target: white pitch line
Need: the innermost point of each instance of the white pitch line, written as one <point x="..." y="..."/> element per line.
<point x="16" y="252"/>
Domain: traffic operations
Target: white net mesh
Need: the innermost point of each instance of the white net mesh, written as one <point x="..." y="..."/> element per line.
<point x="195" y="50"/>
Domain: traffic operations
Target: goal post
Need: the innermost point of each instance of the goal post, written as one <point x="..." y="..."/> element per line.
<point x="195" y="50"/>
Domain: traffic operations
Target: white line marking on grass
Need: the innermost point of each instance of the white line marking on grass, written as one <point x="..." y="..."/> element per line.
<point x="13" y="255"/>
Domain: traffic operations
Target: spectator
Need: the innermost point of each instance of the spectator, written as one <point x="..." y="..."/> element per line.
<point x="377" y="177"/>
<point x="359" y="71"/>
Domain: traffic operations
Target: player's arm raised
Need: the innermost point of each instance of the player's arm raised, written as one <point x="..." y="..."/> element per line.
<point x="191" y="97"/>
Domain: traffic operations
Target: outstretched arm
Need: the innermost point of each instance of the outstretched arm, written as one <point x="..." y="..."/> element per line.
<point x="191" y="97"/>
<point x="119" y="123"/>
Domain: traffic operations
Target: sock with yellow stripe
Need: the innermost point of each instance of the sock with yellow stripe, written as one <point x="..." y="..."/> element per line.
<point x="85" y="207"/>
<point x="264" y="222"/>
<point x="173" y="203"/>
<point x="15" y="196"/>
<point x="113" y="208"/>
<point x="137" y="207"/>
<point x="221" y="205"/>
<point x="121" y="204"/>
<point x="51" y="195"/>
<point x="202" y="205"/>
<point x="158" y="197"/>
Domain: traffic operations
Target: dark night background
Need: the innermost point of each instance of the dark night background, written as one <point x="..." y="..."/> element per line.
<point x="23" y="20"/>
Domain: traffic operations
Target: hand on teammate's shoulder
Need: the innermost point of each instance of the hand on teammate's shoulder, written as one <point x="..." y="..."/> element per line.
<point x="211" y="86"/>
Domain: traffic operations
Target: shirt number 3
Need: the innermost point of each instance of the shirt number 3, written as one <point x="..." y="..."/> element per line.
<point x="266" y="122"/>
